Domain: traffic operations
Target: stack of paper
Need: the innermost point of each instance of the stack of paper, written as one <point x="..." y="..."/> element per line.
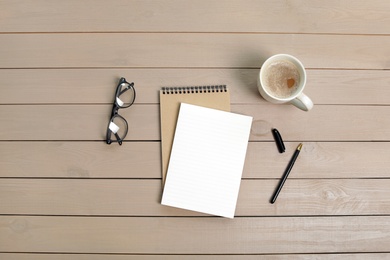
<point x="207" y="159"/>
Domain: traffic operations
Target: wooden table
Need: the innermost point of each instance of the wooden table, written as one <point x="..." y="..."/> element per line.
<point x="65" y="194"/>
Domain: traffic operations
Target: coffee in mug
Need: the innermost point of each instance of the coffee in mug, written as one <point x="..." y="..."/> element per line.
<point x="282" y="79"/>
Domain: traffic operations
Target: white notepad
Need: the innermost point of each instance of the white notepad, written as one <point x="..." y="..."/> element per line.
<point x="207" y="160"/>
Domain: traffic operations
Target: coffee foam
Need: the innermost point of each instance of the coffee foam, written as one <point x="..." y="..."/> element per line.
<point x="281" y="78"/>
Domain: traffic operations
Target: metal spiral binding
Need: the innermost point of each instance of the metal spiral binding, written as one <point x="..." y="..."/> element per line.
<point x="195" y="89"/>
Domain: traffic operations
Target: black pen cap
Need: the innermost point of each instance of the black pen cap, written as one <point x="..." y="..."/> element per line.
<point x="278" y="140"/>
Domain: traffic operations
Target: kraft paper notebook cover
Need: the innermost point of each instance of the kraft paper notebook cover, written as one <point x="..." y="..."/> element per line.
<point x="217" y="97"/>
<point x="207" y="160"/>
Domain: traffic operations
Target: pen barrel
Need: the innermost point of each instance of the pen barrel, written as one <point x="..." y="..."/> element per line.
<point x="291" y="164"/>
<point x="285" y="175"/>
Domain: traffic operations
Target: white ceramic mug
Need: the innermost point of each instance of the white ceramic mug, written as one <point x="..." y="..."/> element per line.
<point x="297" y="98"/>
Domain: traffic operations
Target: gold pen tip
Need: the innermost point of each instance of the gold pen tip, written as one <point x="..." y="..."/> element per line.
<point x="299" y="147"/>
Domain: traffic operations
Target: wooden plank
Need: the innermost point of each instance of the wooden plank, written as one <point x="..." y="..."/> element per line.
<point x="362" y="87"/>
<point x="96" y="86"/>
<point x="143" y="160"/>
<point x="35" y="256"/>
<point x="80" y="160"/>
<point x="237" y="16"/>
<point x="323" y="123"/>
<point x="205" y="235"/>
<point x="223" y="50"/>
<point x="89" y="122"/>
<point x="78" y="122"/>
<point x="142" y="198"/>
<point x="320" y="160"/>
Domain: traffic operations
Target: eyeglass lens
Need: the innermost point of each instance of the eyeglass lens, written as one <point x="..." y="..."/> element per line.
<point x="117" y="128"/>
<point x="125" y="94"/>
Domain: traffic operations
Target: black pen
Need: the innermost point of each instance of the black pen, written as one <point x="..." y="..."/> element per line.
<point x="286" y="173"/>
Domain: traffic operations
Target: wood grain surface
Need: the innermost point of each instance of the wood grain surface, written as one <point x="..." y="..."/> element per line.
<point x="65" y="194"/>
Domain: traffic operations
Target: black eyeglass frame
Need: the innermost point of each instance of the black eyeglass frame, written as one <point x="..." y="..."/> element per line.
<point x="114" y="112"/>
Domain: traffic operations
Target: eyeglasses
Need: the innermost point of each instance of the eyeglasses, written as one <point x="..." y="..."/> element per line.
<point x="118" y="126"/>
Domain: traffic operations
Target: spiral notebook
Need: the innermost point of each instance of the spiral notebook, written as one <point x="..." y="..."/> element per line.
<point x="216" y="96"/>
<point x="207" y="160"/>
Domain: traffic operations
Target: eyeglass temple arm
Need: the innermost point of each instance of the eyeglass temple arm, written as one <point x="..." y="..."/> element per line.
<point x="118" y="138"/>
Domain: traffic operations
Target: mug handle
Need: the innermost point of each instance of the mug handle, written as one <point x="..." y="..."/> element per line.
<point x="302" y="102"/>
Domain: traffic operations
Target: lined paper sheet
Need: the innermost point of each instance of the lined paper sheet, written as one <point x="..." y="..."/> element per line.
<point x="207" y="159"/>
